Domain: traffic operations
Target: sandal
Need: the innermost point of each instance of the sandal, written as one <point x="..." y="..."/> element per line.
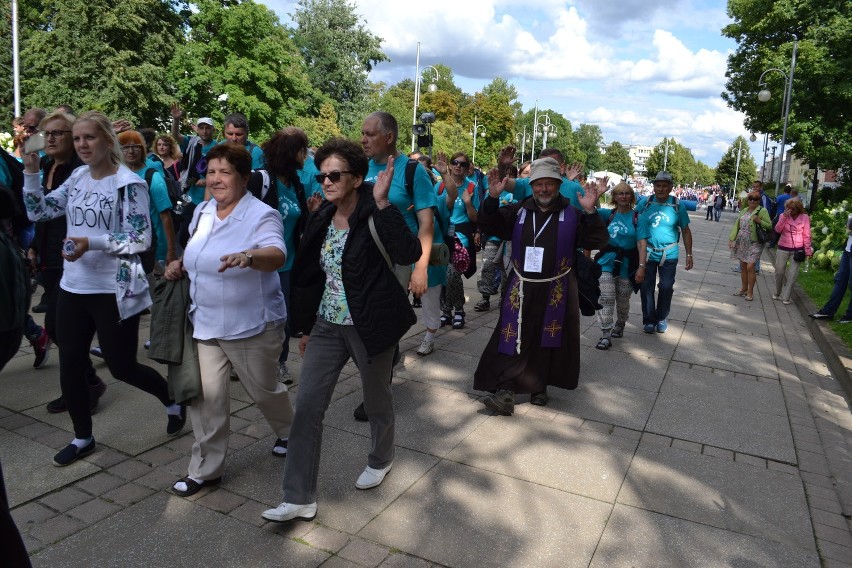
<point x="749" y="298"/>
<point x="604" y="343"/>
<point x="192" y="486"/>
<point x="740" y="293"/>
<point x="617" y="331"/>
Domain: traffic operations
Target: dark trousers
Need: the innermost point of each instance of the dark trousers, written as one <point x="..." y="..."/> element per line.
<point x="656" y="311"/>
<point x="78" y="317"/>
<point x="14" y="551"/>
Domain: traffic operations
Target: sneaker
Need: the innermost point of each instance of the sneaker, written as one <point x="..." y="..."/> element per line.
<point x="71" y="453"/>
<point x="39" y="308"/>
<point x="372" y="477"/>
<point x="56" y="406"/>
<point x="539" y="398"/>
<point x="820" y="316"/>
<point x="776" y="297"/>
<point x="426" y="347"/>
<point x="416" y="303"/>
<point x="503" y="402"/>
<point x="458" y="320"/>
<point x="148" y="344"/>
<point x="280" y="448"/>
<point x="96" y="351"/>
<point x="845" y="319"/>
<point x="662" y="326"/>
<point x="41" y="346"/>
<point x="649" y="328"/>
<point x="284" y="374"/>
<point x="446" y="319"/>
<point x="360" y="414"/>
<point x="482" y="305"/>
<point x="176" y="422"/>
<point x="289" y="512"/>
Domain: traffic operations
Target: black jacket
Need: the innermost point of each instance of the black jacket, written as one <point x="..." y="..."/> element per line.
<point x="378" y="305"/>
<point x="49" y="234"/>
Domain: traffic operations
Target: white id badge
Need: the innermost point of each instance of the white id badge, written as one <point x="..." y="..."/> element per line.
<point x="533" y="259"/>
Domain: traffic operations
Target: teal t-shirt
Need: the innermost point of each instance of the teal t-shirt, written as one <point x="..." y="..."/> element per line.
<point x="288" y="207"/>
<point x="459" y="214"/>
<point x="570" y="189"/>
<point x="307" y="175"/>
<point x="5" y="174"/>
<point x="257" y="158"/>
<point x="622" y="234"/>
<point x="196" y="192"/>
<point x="660" y="224"/>
<point x="156" y="164"/>
<point x="424" y="194"/>
<point x="159" y="202"/>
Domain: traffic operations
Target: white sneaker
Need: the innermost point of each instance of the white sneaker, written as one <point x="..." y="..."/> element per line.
<point x="370" y="477"/>
<point x="288" y="512"/>
<point x="426" y="347"/>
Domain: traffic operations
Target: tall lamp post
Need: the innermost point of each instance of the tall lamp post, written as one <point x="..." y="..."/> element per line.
<point x="417" y="80"/>
<point x="522" y="138"/>
<point x="737" y="171"/>
<point x="666" y="156"/>
<point x="764" y="95"/>
<point x="16" y="72"/>
<point x="548" y="131"/>
<point x="476" y="131"/>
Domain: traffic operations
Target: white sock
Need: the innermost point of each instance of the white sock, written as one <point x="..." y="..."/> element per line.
<point x="173" y="410"/>
<point x="82" y="442"/>
<point x="430" y="336"/>
<point x="181" y="485"/>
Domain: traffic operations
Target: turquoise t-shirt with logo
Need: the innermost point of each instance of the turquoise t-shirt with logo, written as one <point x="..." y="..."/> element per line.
<point x="288" y="207"/>
<point x="622" y="234"/>
<point x="424" y="195"/>
<point x="159" y="202"/>
<point x="660" y="224"/>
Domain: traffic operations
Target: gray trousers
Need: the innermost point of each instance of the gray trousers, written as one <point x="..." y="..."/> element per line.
<point x="329" y="348"/>
<point x="785" y="276"/>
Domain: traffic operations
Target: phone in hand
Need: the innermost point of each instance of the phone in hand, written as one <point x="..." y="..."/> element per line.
<point x="35" y="143"/>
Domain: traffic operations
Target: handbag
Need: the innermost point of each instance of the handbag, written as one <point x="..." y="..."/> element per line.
<point x="799" y="256"/>
<point x="763" y="235"/>
<point x="461" y="257"/>
<point x="402" y="272"/>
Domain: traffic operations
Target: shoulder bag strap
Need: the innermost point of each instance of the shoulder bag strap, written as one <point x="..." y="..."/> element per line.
<point x="378" y="242"/>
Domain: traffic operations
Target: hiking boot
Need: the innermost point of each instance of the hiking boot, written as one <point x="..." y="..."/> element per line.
<point x="482" y="305"/>
<point x="502" y="402"/>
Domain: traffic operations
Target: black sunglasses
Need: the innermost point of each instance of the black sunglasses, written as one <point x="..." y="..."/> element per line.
<point x="460" y="163"/>
<point x="754" y="199"/>
<point x="333" y="177"/>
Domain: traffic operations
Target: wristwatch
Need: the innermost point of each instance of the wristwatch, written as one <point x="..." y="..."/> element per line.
<point x="248" y="256"/>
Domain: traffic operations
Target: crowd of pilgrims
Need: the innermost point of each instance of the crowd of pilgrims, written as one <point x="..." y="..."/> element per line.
<point x="235" y="248"/>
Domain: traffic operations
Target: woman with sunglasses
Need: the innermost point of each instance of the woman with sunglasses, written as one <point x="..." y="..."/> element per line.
<point x="619" y="261"/>
<point x="348" y="304"/>
<point x="794" y="244"/>
<point x="744" y="244"/>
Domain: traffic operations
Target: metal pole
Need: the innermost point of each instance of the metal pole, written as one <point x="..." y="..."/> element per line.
<point x="788" y="95"/>
<point x="765" y="148"/>
<point x="473" y="157"/>
<point x="535" y="130"/>
<point x="666" y="157"/>
<point x="16" y="74"/>
<point x="737" y="172"/>
<point x="523" y="144"/>
<point x="416" y="96"/>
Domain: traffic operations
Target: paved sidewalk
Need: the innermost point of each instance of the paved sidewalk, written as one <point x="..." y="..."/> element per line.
<point x="724" y="442"/>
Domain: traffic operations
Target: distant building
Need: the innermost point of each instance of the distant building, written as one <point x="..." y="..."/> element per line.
<point x="639" y="154"/>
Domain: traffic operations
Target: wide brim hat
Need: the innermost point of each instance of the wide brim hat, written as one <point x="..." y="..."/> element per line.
<point x="545" y="168"/>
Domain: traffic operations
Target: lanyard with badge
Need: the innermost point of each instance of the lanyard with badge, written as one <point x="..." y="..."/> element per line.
<point x="534" y="256"/>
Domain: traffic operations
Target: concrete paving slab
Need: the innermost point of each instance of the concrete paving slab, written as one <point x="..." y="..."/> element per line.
<point x="462" y="516"/>
<point x="550" y="454"/>
<point x="176" y="529"/>
<point x="29" y="471"/>
<point x="726" y="317"/>
<point x="735" y="352"/>
<point x="603" y="402"/>
<point x="256" y="474"/>
<point x="634" y="537"/>
<point x="733" y="413"/>
<point x="446" y="369"/>
<point x="720" y="493"/>
<point x="617" y="366"/>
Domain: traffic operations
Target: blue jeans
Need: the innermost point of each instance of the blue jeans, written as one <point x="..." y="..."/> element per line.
<point x="655" y="312"/>
<point x="717" y="213"/>
<point x="842" y="281"/>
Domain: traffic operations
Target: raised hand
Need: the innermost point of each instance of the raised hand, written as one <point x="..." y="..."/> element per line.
<point x="589" y="200"/>
<point x="382" y="186"/>
<point x="176" y="111"/>
<point x="495" y="184"/>
<point x="506" y="156"/>
<point x="574" y="171"/>
<point x="441" y="164"/>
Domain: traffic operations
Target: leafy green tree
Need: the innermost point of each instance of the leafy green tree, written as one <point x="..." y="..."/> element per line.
<point x="339" y="51"/>
<point x="242" y="51"/>
<point x="680" y="163"/>
<point x="727" y="170"/>
<point x="322" y="127"/>
<point x="616" y="159"/>
<point x="705" y="174"/>
<point x="99" y="54"/>
<point x="819" y="121"/>
<point x="589" y="140"/>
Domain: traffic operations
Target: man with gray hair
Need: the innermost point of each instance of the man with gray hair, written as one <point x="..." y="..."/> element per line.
<point x="236" y="131"/>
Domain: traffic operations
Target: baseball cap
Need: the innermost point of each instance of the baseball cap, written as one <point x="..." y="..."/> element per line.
<point x="205" y="120"/>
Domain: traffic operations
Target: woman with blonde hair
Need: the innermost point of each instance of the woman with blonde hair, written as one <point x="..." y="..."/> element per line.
<point x="167" y="150"/>
<point x="794" y="244"/>
<point x="619" y="261"/>
<point x="744" y="245"/>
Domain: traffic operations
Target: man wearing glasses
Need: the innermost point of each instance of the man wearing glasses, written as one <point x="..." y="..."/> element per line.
<point x="662" y="220"/>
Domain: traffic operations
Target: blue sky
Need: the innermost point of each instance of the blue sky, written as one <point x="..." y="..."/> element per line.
<point x="641" y="70"/>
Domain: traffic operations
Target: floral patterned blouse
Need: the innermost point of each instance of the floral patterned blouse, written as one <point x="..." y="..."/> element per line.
<point x="333" y="307"/>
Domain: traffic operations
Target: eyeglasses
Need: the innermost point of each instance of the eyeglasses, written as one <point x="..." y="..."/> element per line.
<point x="754" y="199"/>
<point x="30" y="127"/>
<point x="460" y="163"/>
<point x="55" y="133"/>
<point x="131" y="148"/>
<point x="333" y="177"/>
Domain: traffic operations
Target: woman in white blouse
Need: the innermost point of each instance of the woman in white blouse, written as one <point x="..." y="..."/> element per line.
<point x="237" y="311"/>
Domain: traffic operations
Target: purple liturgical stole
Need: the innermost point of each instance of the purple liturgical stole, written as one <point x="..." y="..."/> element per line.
<point x="511" y="311"/>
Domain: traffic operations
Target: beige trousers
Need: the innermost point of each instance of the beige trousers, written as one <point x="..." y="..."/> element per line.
<point x="255" y="360"/>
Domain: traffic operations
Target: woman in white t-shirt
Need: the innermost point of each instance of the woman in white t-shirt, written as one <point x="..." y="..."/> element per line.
<point x="103" y="287"/>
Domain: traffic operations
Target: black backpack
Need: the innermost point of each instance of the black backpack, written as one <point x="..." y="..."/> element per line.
<point x="16" y="171"/>
<point x="14" y="276"/>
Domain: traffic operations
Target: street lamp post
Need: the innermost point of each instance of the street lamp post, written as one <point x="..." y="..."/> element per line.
<point x="764" y="95"/>
<point x="666" y="155"/>
<point x="737" y="171"/>
<point x="523" y="140"/>
<point x="417" y="80"/>
<point x="477" y="130"/>
<point x="548" y="131"/>
<point x="772" y="164"/>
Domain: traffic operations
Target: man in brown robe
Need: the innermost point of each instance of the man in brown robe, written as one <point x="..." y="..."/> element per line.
<point x="537" y="340"/>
